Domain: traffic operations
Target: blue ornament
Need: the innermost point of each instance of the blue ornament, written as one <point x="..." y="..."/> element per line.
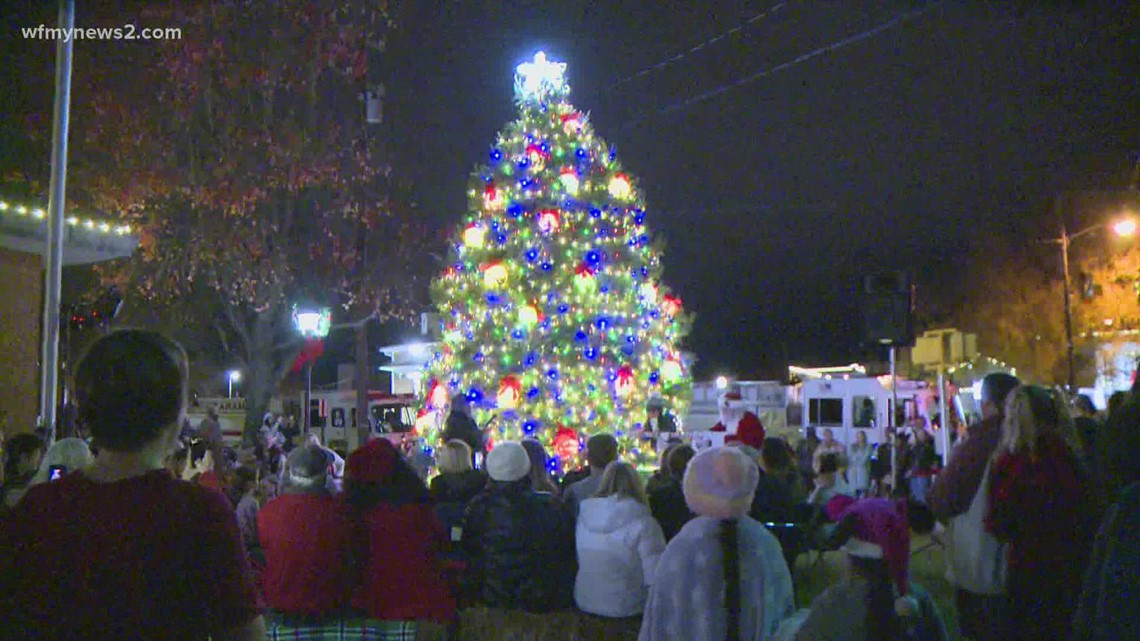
<point x="604" y="289"/>
<point x="654" y="377"/>
<point x="530" y="426"/>
<point x="654" y="313"/>
<point x="533" y="393"/>
<point x="518" y="334"/>
<point x="580" y="336"/>
<point x="525" y="182"/>
<point x="478" y="357"/>
<point x="492" y="299"/>
<point x="595" y="212"/>
<point x="531" y="255"/>
<point x="581" y="153"/>
<point x="644" y="271"/>
<point x="563" y="308"/>
<point x="552" y="374"/>
<point x="631" y="339"/>
<point x="524" y="163"/>
<point x="593" y="258"/>
<point x="639" y="219"/>
<point x="590" y="353"/>
<point x="496" y="155"/>
<point x="474" y="396"/>
<point x="502" y="238"/>
<point x="547" y="267"/>
<point x="530" y="359"/>
<point x="602" y="322"/>
<point x="515" y="210"/>
<point x="627" y="350"/>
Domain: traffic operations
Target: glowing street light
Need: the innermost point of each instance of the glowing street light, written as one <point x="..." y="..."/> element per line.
<point x="234" y="376"/>
<point x="1124" y="227"/>
<point x="722" y="382"/>
<point x="312" y="323"/>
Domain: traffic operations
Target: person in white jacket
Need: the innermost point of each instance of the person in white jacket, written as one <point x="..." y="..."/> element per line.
<point x="619" y="543"/>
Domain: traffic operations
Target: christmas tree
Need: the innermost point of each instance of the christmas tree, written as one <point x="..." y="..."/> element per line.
<point x="556" y="323"/>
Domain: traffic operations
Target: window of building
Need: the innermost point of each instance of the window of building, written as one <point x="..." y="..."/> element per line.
<point x="863" y="408"/>
<point x="825" y="411"/>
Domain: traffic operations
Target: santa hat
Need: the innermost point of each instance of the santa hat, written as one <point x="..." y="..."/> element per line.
<point x="880" y="529"/>
<point x="732" y="399"/>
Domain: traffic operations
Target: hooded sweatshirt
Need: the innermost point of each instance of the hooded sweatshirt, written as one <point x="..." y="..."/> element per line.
<point x="619" y="543"/>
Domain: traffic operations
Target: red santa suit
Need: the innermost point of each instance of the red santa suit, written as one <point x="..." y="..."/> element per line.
<point x="738" y="423"/>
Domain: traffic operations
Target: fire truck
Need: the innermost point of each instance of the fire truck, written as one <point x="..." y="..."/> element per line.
<point x="332" y="415"/>
<point x="847" y="405"/>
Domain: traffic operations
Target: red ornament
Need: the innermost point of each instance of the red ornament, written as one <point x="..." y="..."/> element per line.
<point x="548" y="221"/>
<point x="437" y="396"/>
<point x="510" y="389"/>
<point x="571" y="123"/>
<point x="625" y="383"/>
<point x="492" y="197"/>
<point x="671" y="305"/>
<point x="566" y="444"/>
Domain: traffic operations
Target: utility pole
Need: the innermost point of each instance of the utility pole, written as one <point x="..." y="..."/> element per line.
<point x="53" y="269"/>
<point x="1064" y="240"/>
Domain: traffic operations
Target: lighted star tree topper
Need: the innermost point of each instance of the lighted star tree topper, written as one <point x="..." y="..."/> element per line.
<point x="556" y="322"/>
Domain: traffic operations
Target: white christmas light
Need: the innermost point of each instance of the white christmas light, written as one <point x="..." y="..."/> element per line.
<point x="533" y="75"/>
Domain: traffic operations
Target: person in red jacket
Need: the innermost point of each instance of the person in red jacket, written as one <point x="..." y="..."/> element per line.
<point x="1038" y="503"/>
<point x="305" y="534"/>
<point x="399" y="541"/>
<point x="738" y="423"/>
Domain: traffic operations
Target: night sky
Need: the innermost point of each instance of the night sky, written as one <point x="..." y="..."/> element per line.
<point x="775" y="196"/>
<point x="776" y="184"/>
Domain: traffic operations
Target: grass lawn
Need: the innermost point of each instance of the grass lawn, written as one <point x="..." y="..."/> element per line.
<point x="926" y="569"/>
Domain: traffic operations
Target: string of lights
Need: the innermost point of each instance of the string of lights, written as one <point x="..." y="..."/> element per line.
<point x="770" y="71"/>
<point x="699" y="47"/>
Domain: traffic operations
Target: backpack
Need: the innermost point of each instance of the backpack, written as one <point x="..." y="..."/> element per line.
<point x="975" y="561"/>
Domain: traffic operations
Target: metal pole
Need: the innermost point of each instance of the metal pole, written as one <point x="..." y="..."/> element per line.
<point x="53" y="273"/>
<point x="1068" y="303"/>
<point x="309" y="398"/>
<point x="943" y="417"/>
<point x="231" y="380"/>
<point x="892" y="429"/>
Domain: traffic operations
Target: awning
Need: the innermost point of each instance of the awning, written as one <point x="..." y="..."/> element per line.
<point x="23" y="228"/>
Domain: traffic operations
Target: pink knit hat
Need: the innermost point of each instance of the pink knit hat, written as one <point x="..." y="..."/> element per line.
<point x="720" y="482"/>
<point x="882" y="531"/>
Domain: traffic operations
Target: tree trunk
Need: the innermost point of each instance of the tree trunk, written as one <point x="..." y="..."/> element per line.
<point x="272" y="350"/>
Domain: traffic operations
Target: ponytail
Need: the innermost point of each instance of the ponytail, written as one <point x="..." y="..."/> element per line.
<point x="730" y="551"/>
<point x="881" y="622"/>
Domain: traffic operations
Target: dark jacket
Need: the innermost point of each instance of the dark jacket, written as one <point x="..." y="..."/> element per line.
<point x="1107" y="607"/>
<point x="667" y="502"/>
<point x="463" y="427"/>
<point x="954" y="488"/>
<point x="457" y="488"/>
<point x="520" y="549"/>
<point x="773" y="501"/>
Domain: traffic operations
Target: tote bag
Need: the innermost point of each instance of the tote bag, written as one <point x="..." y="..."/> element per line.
<point x="975" y="561"/>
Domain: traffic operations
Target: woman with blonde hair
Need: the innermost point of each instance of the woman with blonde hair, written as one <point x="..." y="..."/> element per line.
<point x="619" y="543"/>
<point x="458" y="481"/>
<point x="1038" y="505"/>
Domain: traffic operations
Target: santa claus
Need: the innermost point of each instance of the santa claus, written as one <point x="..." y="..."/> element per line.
<point x="737" y="422"/>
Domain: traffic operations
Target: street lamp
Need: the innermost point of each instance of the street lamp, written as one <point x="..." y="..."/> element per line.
<point x="234" y="376"/>
<point x="1124" y="227"/>
<point x="312" y="323"/>
<point x="721" y="382"/>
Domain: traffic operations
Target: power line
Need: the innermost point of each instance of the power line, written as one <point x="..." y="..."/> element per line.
<point x="684" y="54"/>
<point x="815" y="53"/>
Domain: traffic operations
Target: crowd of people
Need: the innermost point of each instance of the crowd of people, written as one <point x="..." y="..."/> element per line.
<point x="157" y="532"/>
